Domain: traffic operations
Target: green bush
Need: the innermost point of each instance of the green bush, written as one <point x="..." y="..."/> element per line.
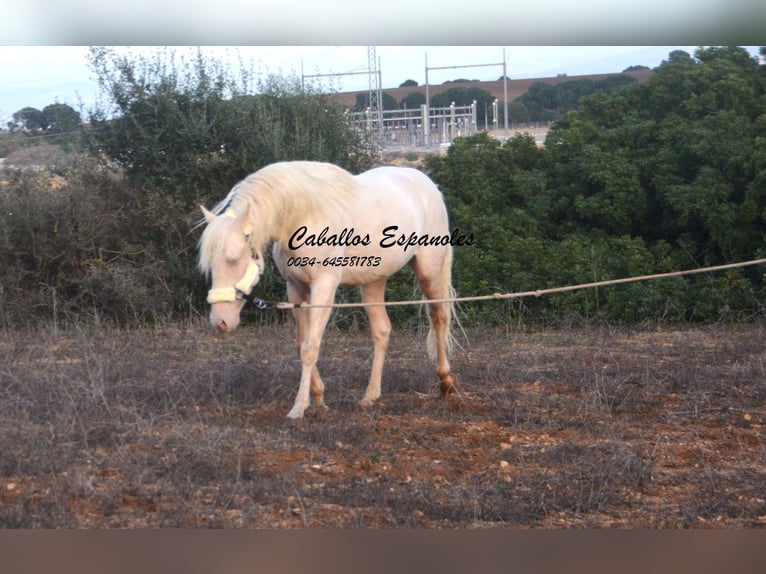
<point x="183" y="133"/>
<point x="663" y="176"/>
<point x="654" y="177"/>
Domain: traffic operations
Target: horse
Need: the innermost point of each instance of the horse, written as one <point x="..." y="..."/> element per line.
<point x="328" y="228"/>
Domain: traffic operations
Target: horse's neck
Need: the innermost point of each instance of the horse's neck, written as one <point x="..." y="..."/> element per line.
<point x="282" y="212"/>
<point x="273" y="225"/>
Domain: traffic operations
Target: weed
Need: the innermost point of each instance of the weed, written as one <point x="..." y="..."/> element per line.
<point x="171" y="425"/>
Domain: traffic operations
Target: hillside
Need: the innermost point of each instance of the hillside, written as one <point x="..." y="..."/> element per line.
<point x="516" y="88"/>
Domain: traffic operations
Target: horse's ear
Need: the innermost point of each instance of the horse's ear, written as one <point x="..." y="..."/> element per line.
<point x="208" y="215"/>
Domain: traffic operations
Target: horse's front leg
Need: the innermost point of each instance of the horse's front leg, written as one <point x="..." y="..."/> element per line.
<point x="298" y="294"/>
<point x="311" y="332"/>
<point x="380" y="325"/>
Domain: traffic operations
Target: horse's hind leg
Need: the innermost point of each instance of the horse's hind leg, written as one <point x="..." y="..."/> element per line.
<point x="434" y="280"/>
<point x="439" y="333"/>
<point x="380" y="325"/>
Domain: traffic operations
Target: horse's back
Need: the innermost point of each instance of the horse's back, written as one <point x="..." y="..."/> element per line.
<point x="406" y="187"/>
<point x="402" y="177"/>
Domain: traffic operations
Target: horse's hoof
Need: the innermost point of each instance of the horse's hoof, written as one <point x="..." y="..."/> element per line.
<point x="318" y="413"/>
<point x="299" y="423"/>
<point x="296" y="413"/>
<point x="367" y="402"/>
<point x="448" y="384"/>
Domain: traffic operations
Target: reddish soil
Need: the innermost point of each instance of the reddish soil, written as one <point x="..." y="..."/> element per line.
<point x="586" y="427"/>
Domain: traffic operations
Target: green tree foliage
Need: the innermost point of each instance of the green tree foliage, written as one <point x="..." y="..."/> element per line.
<point x="363" y="102"/>
<point x="666" y="175"/>
<point x="517" y="111"/>
<point x="196" y="126"/>
<point x="28" y="120"/>
<point x="53" y="119"/>
<point x="61" y="118"/>
<point x="462" y="97"/>
<point x="178" y="133"/>
<point x="545" y="102"/>
<point x="413" y="100"/>
<point x="648" y="178"/>
<point x="57" y="126"/>
<point x="486" y="186"/>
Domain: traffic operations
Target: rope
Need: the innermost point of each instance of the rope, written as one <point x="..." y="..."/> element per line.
<point x="520" y="294"/>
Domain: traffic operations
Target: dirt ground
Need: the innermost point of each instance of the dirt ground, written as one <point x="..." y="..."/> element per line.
<point x="176" y="426"/>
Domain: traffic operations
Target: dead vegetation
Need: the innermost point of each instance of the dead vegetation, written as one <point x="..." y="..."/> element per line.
<point x="176" y="426"/>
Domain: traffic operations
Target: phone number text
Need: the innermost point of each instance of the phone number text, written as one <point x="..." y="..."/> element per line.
<point x="353" y="261"/>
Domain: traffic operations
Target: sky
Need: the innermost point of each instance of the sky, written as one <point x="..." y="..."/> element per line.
<point x="43" y="45"/>
<point x="37" y="76"/>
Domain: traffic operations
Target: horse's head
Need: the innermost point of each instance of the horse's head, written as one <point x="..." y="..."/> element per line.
<point x="227" y="254"/>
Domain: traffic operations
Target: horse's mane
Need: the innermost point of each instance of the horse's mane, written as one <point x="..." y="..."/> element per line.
<point x="278" y="198"/>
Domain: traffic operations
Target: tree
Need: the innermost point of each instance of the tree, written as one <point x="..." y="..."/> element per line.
<point x="547" y="102"/>
<point x="61" y="118"/>
<point x="54" y="119"/>
<point x="485" y="198"/>
<point x="183" y="132"/>
<point x="462" y="97"/>
<point x="28" y="120"/>
<point x="408" y="84"/>
<point x="413" y="100"/>
<point x="363" y="102"/>
<point x="638" y="178"/>
<point x="518" y="111"/>
<point x="199" y="127"/>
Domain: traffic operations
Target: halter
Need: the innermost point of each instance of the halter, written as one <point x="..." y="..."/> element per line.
<point x="242" y="288"/>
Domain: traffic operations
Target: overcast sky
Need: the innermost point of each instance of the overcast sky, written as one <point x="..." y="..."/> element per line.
<point x="40" y="75"/>
<point x="43" y="45"/>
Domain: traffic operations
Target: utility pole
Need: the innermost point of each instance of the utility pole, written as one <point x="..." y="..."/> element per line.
<point x="427" y="112"/>
<point x="505" y="93"/>
<point x="505" y="84"/>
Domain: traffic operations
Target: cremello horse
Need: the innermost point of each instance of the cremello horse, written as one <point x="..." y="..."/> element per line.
<point x="330" y="228"/>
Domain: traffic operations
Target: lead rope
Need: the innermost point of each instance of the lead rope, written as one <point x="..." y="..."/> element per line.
<point x="261" y="304"/>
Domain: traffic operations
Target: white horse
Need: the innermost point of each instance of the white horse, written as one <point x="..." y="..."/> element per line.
<point x="330" y="228"/>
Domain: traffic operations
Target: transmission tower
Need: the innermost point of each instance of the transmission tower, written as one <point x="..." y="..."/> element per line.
<point x="375" y="97"/>
<point x="372" y="70"/>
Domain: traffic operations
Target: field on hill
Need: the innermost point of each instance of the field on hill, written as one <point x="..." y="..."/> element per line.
<point x="515" y="87"/>
<point x="176" y="426"/>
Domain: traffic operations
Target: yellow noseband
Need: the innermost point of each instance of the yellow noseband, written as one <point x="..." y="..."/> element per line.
<point x="242" y="287"/>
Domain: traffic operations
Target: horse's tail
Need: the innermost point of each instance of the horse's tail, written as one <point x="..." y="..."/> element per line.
<point x="446" y="292"/>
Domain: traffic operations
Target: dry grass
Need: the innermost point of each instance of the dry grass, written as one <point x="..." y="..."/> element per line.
<point x="176" y="426"/>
